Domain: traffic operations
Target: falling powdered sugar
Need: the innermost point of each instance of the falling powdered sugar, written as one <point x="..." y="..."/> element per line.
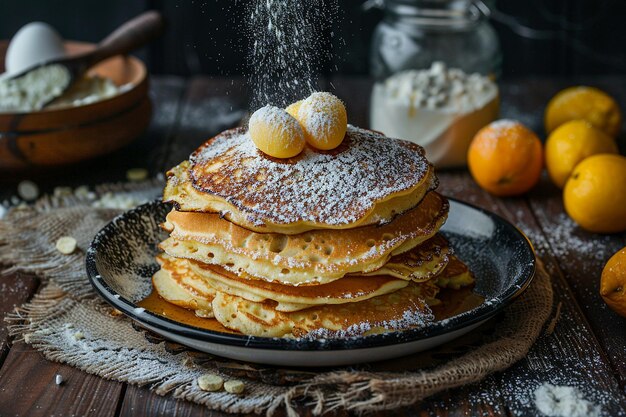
<point x="289" y="47"/>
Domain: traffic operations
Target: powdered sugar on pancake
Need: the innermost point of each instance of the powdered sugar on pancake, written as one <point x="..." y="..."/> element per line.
<point x="414" y="317"/>
<point x="336" y="187"/>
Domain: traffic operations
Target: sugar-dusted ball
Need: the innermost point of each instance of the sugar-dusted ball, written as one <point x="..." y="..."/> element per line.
<point x="324" y="120"/>
<point x="294" y="108"/>
<point x="276" y="133"/>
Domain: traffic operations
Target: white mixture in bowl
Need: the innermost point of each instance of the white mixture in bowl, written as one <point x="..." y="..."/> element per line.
<point x="34" y="90"/>
<point x="88" y="90"/>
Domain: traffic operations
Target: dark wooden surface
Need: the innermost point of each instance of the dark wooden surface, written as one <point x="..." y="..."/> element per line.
<point x="587" y="347"/>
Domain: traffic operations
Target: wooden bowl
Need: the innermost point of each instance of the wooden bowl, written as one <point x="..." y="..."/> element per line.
<point x="72" y="134"/>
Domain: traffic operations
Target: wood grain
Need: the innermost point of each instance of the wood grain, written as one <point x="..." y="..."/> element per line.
<point x="581" y="256"/>
<point x="15" y="290"/>
<point x="140" y="401"/>
<point x="29" y="389"/>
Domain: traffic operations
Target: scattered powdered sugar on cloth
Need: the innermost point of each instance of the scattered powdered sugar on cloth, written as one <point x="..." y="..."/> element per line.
<point x="327" y="188"/>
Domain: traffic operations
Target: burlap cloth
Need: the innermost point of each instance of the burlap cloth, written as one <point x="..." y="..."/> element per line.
<point x="113" y="348"/>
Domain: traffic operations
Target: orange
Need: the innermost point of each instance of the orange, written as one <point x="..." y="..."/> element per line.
<point x="572" y="142"/>
<point x="613" y="282"/>
<point x="588" y="103"/>
<point x="505" y="158"/>
<point x="594" y="195"/>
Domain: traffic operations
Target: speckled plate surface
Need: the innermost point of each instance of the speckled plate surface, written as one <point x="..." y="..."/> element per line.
<point x="120" y="263"/>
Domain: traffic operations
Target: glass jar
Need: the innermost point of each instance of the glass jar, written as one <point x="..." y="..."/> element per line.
<point x="435" y="62"/>
<point x="415" y="33"/>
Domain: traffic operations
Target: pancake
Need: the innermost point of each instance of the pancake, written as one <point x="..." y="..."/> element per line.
<point x="400" y="310"/>
<point x="319" y="256"/>
<point x="351" y="186"/>
<point x="455" y="275"/>
<point x="350" y="289"/>
<point x="419" y="264"/>
<point x="176" y="283"/>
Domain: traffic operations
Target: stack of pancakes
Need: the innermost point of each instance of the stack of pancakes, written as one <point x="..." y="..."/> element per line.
<point x="340" y="242"/>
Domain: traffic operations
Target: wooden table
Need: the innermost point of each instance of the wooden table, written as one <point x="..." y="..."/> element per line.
<point x="587" y="346"/>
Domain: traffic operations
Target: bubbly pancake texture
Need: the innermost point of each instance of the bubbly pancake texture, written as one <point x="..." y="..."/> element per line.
<point x="350" y="289"/>
<point x="319" y="256"/>
<point x="400" y="310"/>
<point x="347" y="187"/>
<point x="177" y="284"/>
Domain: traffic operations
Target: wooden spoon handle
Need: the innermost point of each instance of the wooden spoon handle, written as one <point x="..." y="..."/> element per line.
<point x="131" y="35"/>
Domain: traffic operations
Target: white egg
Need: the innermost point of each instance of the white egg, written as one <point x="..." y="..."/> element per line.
<point x="33" y="44"/>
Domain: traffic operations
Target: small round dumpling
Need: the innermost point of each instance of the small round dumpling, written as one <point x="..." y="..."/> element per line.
<point x="276" y="133"/>
<point x="294" y="108"/>
<point x="324" y="120"/>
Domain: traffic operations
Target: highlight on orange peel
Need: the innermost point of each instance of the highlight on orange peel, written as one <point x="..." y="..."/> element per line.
<point x="613" y="282"/>
<point x="505" y="158"/>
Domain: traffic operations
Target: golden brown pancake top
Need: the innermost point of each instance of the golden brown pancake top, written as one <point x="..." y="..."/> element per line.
<point x="337" y="187"/>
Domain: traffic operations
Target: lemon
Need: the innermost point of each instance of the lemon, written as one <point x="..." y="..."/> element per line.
<point x="276" y="133"/>
<point x="595" y="196"/>
<point x="572" y="142"/>
<point x="588" y="103"/>
<point x="613" y="282"/>
<point x="324" y="120"/>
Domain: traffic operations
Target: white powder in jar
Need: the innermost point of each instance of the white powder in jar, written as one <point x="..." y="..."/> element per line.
<point x="438" y="108"/>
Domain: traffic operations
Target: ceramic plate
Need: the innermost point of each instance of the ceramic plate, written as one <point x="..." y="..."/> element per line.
<point x="120" y="263"/>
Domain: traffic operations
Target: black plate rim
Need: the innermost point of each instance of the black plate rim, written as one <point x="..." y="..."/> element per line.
<point x="147" y="318"/>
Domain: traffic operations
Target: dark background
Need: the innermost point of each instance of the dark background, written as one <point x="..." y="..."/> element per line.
<point x="570" y="37"/>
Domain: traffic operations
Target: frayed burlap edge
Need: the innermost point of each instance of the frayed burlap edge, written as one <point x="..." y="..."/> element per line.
<point x="68" y="324"/>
